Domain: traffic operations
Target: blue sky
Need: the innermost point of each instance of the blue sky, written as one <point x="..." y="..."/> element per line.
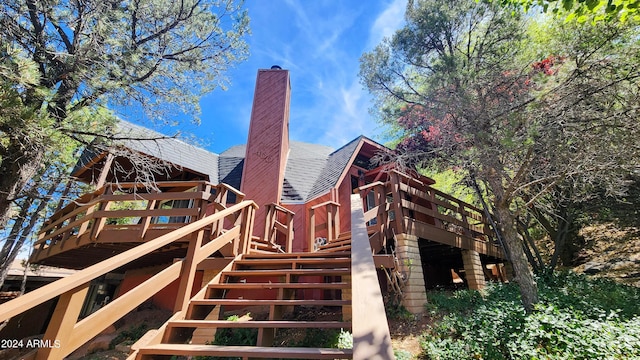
<point x="320" y="43"/>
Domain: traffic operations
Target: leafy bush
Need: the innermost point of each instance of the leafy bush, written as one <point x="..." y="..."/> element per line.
<point x="397" y="311"/>
<point x="577" y="318"/>
<point x="402" y="355"/>
<point x="236" y="336"/>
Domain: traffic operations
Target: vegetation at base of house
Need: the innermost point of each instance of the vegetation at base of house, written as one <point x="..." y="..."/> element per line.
<point x="130" y="335"/>
<point x="576" y="318"/>
<point x="238" y="337"/>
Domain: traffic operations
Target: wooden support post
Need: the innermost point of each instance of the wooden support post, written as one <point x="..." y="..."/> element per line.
<point x="312" y="229"/>
<point x="290" y="234"/>
<point x="105" y="171"/>
<point x="146" y="222"/>
<point x="188" y="272"/>
<point x="242" y="244"/>
<point x="336" y="221"/>
<point x="397" y="203"/>
<point x="60" y="328"/>
<point x="269" y="222"/>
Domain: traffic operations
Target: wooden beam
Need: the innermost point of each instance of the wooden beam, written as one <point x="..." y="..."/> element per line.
<point x="61" y="325"/>
<point x="105" y="171"/>
<point x="430" y="232"/>
<point x="371" y="338"/>
<point x="92" y="325"/>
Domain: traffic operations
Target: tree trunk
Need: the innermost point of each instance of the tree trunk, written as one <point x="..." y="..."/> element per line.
<point x="524" y="276"/>
<point x="19" y="233"/>
<point x="21" y="162"/>
<point x="509" y="226"/>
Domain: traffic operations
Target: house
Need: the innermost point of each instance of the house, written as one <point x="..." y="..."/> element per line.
<point x="271" y="196"/>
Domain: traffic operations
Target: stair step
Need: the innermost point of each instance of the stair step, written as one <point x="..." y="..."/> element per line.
<point x="315" y="261"/>
<point x="339" y="241"/>
<point x="283" y="272"/>
<point x="335" y="245"/>
<point x="255" y="324"/>
<point x="261" y="245"/>
<point x="299" y="255"/>
<point x="249" y="302"/>
<point x="247" y="351"/>
<point x="330" y="249"/>
<point x="248" y="286"/>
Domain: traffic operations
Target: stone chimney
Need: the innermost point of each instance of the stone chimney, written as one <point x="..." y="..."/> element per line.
<point x="268" y="142"/>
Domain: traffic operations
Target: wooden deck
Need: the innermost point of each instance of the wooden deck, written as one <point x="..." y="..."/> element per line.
<point x="117" y="218"/>
<point x="405" y="205"/>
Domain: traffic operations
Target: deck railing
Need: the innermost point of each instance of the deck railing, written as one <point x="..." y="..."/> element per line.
<point x="129" y="212"/>
<point x="278" y="229"/>
<point x="66" y="333"/>
<point x="329" y="228"/>
<point x="406" y="205"/>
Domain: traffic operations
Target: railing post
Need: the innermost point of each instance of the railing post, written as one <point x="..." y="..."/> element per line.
<point x="144" y="226"/>
<point x="330" y="222"/>
<point x="290" y="233"/>
<point x="380" y="202"/>
<point x="188" y="272"/>
<point x="60" y="328"/>
<point x="241" y="246"/>
<point x="397" y="203"/>
<point x="336" y="220"/>
<point x="269" y="222"/>
<point x="312" y="228"/>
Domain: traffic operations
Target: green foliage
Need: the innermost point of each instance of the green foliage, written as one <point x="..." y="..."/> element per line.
<point x="582" y="10"/>
<point x="577" y="318"/>
<point x="319" y="338"/>
<point x="232" y="337"/>
<point x="129" y="336"/>
<point x="397" y="311"/>
<point x="402" y="355"/>
<point x="240" y="336"/>
<point x="450" y="181"/>
<point x="63" y="63"/>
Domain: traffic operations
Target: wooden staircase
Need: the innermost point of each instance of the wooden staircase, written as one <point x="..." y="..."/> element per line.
<point x="264" y="290"/>
<point x="341" y="244"/>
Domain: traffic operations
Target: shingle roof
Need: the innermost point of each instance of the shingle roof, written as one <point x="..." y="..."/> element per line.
<point x="311" y="169"/>
<point x="304" y="165"/>
<point x="155" y="144"/>
<point x="230" y="163"/>
<point x="335" y="166"/>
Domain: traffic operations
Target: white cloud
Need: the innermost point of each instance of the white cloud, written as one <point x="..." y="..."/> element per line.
<point x="390" y="20"/>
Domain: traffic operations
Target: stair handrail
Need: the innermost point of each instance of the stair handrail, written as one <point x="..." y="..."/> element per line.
<point x="65" y="330"/>
<point x="332" y="225"/>
<point x="371" y="336"/>
<point x="273" y="226"/>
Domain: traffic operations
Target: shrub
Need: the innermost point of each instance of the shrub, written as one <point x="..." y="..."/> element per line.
<point x="129" y="336"/>
<point x="577" y="318"/>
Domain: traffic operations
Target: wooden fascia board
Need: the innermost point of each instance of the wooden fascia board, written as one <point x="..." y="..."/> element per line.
<point x="361" y="143"/>
<point x="95" y="160"/>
